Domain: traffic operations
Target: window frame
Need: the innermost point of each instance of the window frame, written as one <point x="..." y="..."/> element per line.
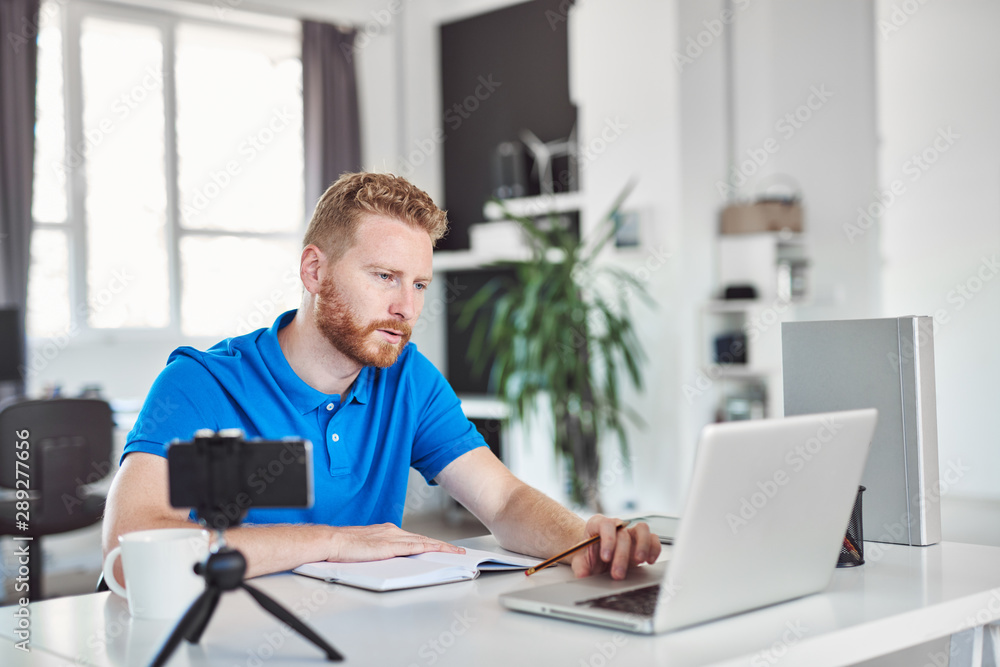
<point x="74" y="227"/>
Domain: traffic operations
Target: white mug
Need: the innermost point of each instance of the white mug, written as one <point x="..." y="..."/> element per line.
<point x="160" y="581"/>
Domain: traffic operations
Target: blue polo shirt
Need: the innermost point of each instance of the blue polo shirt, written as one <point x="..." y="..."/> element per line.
<point x="364" y="443"/>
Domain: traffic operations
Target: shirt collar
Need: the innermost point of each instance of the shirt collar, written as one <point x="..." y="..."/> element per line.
<point x="301" y="395"/>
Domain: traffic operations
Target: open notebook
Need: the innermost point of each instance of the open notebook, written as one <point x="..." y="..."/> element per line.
<point x="426" y="569"/>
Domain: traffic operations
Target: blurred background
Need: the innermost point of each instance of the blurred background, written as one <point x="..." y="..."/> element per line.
<point x="176" y="164"/>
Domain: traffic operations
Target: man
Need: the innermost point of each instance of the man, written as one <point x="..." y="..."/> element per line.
<point x="340" y="372"/>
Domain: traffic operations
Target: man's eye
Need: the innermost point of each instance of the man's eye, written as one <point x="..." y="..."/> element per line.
<point x="384" y="276"/>
<point x="421" y="286"/>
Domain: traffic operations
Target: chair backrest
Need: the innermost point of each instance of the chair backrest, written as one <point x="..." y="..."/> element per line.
<point x="69" y="447"/>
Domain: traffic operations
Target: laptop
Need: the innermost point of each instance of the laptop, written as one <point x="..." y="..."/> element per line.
<point x="765" y="518"/>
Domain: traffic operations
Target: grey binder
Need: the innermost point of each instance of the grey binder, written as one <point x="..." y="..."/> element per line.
<point x="886" y="364"/>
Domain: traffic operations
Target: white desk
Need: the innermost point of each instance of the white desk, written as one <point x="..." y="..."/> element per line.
<point x="900" y="598"/>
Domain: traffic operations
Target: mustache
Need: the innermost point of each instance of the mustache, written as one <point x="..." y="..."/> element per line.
<point x="392" y="325"/>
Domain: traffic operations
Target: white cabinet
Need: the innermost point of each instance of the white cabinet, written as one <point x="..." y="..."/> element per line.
<point x="741" y="351"/>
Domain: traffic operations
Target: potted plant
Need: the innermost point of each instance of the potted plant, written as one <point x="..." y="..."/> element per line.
<point x="560" y="334"/>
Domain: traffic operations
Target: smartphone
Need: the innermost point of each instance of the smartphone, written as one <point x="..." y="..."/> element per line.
<point x="224" y="474"/>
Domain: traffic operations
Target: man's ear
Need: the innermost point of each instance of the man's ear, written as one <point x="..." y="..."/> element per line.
<point x="312" y="264"/>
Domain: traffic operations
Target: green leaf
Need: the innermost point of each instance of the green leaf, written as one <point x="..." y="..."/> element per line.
<point x="563" y="329"/>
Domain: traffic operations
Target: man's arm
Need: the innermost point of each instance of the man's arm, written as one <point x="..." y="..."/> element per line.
<point x="139" y="500"/>
<point x="527" y="521"/>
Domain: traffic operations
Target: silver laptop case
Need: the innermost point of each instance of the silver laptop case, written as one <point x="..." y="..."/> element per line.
<point x="765" y="518"/>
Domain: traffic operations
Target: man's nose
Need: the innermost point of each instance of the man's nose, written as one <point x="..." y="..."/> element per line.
<point x="404" y="306"/>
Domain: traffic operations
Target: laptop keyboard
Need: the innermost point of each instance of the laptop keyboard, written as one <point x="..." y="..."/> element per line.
<point x="639" y="601"/>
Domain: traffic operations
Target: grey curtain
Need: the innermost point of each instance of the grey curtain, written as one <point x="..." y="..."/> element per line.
<point x="331" y="125"/>
<point x="18" y="60"/>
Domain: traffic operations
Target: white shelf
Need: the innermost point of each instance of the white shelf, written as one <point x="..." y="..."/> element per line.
<point x="528" y="207"/>
<point x="733" y="305"/>
<point x="461" y="260"/>
<point x="739" y="372"/>
<point x="484" y="407"/>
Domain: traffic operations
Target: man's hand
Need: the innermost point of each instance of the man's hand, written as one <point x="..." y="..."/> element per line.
<point x="617" y="550"/>
<point x="363" y="543"/>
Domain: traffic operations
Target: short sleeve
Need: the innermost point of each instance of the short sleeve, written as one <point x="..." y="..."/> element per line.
<point x="444" y="432"/>
<point x="184" y="398"/>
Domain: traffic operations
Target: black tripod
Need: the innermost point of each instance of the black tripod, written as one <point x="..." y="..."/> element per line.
<point x="223" y="571"/>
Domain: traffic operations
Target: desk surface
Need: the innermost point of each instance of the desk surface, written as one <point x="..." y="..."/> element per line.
<point x="901" y="597"/>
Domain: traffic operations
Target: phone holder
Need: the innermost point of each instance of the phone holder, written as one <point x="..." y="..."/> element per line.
<point x="221" y="461"/>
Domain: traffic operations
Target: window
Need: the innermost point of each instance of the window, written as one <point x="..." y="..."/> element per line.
<point x="168" y="173"/>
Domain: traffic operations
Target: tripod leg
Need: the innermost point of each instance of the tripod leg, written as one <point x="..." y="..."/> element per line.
<point x="182" y="629"/>
<point x="284" y="615"/>
<point x="199" y="622"/>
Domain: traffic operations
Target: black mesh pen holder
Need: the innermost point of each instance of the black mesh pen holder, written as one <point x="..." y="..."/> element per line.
<point x="852" y="551"/>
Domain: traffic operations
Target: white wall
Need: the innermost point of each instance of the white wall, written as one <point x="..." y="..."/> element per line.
<point x="627" y="95"/>
<point x="937" y="71"/>
<point x="674" y="138"/>
<point x="787" y="55"/>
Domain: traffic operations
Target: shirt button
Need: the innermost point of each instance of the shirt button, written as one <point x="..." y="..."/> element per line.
<point x="335" y="437"/>
<point x="329" y="406"/>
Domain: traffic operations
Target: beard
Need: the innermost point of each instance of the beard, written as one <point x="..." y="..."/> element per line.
<point x="352" y="337"/>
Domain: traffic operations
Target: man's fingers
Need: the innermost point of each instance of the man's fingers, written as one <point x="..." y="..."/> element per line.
<point x="623" y="552"/>
<point x="584" y="564"/>
<point x="422" y="543"/>
<point x="444" y="546"/>
<point x="385" y="541"/>
<point x="642" y="538"/>
<point x="609" y="538"/>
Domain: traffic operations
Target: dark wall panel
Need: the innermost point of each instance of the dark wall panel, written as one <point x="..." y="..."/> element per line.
<point x="500" y="72"/>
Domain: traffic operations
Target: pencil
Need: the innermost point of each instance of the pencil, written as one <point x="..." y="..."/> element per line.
<point x="851" y="548"/>
<point x="572" y="550"/>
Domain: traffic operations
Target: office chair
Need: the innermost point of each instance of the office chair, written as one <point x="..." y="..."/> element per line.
<point x="69" y="448"/>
